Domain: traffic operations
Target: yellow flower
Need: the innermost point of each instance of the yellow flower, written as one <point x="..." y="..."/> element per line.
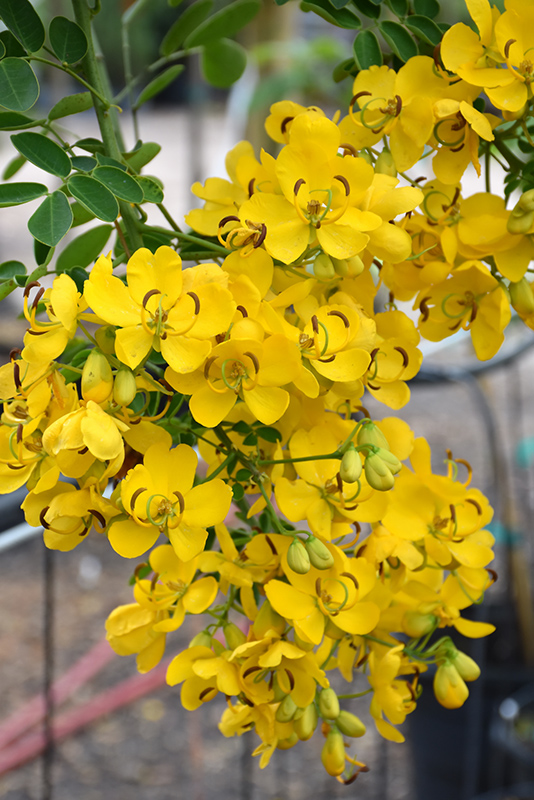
<point x="159" y="497"/>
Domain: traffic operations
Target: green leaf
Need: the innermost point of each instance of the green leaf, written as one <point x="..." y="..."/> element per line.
<point x="84" y="163"/>
<point x="41" y="252"/>
<point x="14" y="194"/>
<point x="342" y="17"/>
<point x="184" y="26"/>
<point x="427" y="8"/>
<point x="174" y="3"/>
<point x="79" y="276"/>
<point x="281" y="2"/>
<point x="19" y="88"/>
<point x="24" y="22"/>
<point x="159" y="84"/>
<point x="9" y="269"/>
<point x="90" y="145"/>
<point x="142" y="155"/>
<point x="243" y="475"/>
<point x="368" y="8"/>
<point x="2" y="49"/>
<point x="237" y="489"/>
<point x="155" y="239"/>
<point x="13" y="167"/>
<point x="424" y="28"/>
<point x="269" y="434"/>
<point x="71" y="104"/>
<point x="224" y="23"/>
<point x="120" y="183"/>
<point x="343" y="70"/>
<point x="367" y="50"/>
<point x="398" y="39"/>
<point x="94" y="196"/>
<point x="11" y="45"/>
<point x="399" y="7"/>
<point x="152" y="191"/>
<point x="68" y="40"/>
<point x="223" y="63"/>
<point x="52" y="220"/>
<point x="84" y="249"/>
<point x="251" y="440"/>
<point x="107" y="161"/>
<point x="43" y="152"/>
<point x="339" y="3"/>
<point x="11" y="120"/>
<point x="82" y="215"/>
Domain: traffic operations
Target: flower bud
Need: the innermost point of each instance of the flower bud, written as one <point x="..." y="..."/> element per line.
<point x="323" y="268"/>
<point x="351" y="466"/>
<point x="105" y="338"/>
<point x="202" y="639"/>
<point x="217" y="647"/>
<point x="97" y="378"/>
<point x="320" y="555"/>
<point x="233" y="635"/>
<point x="366" y="156"/>
<point x="268" y="620"/>
<point x="303" y="645"/>
<point x="415" y="624"/>
<point x="526" y="201"/>
<point x="333" y="753"/>
<point x="306" y="724"/>
<point x="449" y="687"/>
<point x="332" y="631"/>
<point x="286" y="709"/>
<point x="466" y="667"/>
<point x="298" y="558"/>
<point x="341" y="267"/>
<point x="328" y="704"/>
<point x="522" y="297"/>
<point x="278" y="692"/>
<point x="520" y="221"/>
<point x="350" y="725"/>
<point x="385" y="164"/>
<point x="369" y="433"/>
<point x="356" y="266"/>
<point x="378" y="472"/>
<point x="124" y="387"/>
<point x="286" y="744"/>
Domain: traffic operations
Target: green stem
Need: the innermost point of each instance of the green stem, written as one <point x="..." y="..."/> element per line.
<point x="9" y="286"/>
<point x="105" y="102"/>
<point x="82" y="14"/>
<point x="356" y="694"/>
<point x="514" y="162"/>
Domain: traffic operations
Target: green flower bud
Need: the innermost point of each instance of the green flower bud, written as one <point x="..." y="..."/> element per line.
<point x="466" y="667"/>
<point x="320" y="555"/>
<point x="522" y="297"/>
<point x="298" y="558"/>
<point x="202" y="639"/>
<point x="333" y="753"/>
<point x="378" y="474"/>
<point x="105" y="338"/>
<point x="332" y="631"/>
<point x="341" y="267"/>
<point x="385" y="164"/>
<point x="286" y="744"/>
<point x="278" y="692"/>
<point x="124" y="387"/>
<point x="328" y="704"/>
<point x="286" y="709"/>
<point x="350" y="724"/>
<point x="268" y="620"/>
<point x="323" y="268"/>
<point x="526" y="201"/>
<point x="356" y="266"/>
<point x="306" y="724"/>
<point x="351" y="466"/>
<point x="415" y="624"/>
<point x="366" y="156"/>
<point x="302" y="645"/>
<point x="393" y="463"/>
<point x="97" y="378"/>
<point x="233" y="635"/>
<point x="369" y="433"/>
<point x="520" y="221"/>
<point x="217" y="647"/>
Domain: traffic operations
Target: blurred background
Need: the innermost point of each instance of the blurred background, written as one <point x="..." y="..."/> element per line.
<point x="126" y="738"/>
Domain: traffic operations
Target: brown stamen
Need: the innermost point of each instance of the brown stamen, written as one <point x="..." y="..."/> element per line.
<point x="345" y="183"/>
<point x="135" y="496"/>
<point x="285" y="122"/>
<point x="148" y="295"/>
<point x="404" y="354"/>
<point x="100" y="517"/>
<point x="507" y="47"/>
<point x="29" y="287"/>
<point x="357" y="97"/>
<point x="251" y="183"/>
<point x="297" y="186"/>
<point x="181" y="502"/>
<point x="196" y="301"/>
<point x="42" y="520"/>
<point x="243" y="310"/>
<point x="341" y="316"/>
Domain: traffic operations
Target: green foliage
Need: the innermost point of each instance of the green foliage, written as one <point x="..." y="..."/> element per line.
<point x="141" y="155"/>
<point x="94" y="196"/>
<point x="9" y="269"/>
<point x="52" y="220"/>
<point x="223" y="62"/>
<point x="43" y="152"/>
<point x="367" y="50"/>
<point x="19" y="88"/>
<point x="14" y="194"/>
<point x="224" y="23"/>
<point x="152" y="191"/>
<point x="184" y="26"/>
<point x="71" y="104"/>
<point x="159" y="84"/>
<point x="426" y="29"/>
<point x="68" y="41"/>
<point x="368" y="8"/>
<point x="399" y="7"/>
<point x="11" y="120"/>
<point x="426" y="8"/>
<point x="120" y="183"/>
<point x="84" y="249"/>
<point x="398" y="39"/>
<point x="342" y="17"/>
<point x="20" y="17"/>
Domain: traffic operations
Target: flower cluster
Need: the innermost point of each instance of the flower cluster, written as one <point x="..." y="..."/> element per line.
<point x="314" y="538"/>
